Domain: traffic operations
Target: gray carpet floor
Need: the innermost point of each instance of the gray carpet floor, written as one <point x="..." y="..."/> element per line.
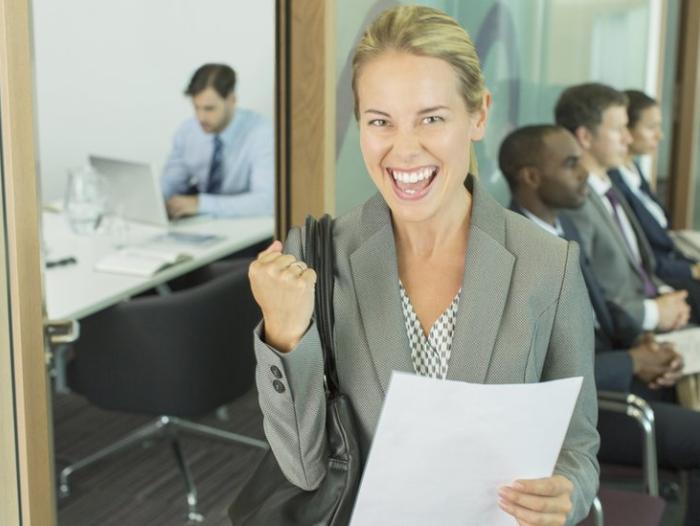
<point x="142" y="485"/>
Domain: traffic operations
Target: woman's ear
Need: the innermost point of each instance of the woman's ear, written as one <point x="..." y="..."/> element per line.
<point x="478" y="129"/>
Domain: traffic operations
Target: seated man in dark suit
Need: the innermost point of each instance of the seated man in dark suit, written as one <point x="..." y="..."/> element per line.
<point x="644" y="125"/>
<point x="541" y="165"/>
<point x="611" y="237"/>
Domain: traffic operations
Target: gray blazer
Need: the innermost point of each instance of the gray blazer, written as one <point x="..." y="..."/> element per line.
<point x="523" y="316"/>
<point x="610" y="260"/>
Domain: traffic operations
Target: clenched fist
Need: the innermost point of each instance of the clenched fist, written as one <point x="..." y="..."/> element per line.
<point x="284" y="287"/>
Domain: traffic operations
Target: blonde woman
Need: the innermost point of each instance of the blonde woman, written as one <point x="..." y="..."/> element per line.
<point x="433" y="276"/>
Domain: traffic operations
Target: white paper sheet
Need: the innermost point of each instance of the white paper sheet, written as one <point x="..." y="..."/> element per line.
<point x="687" y="345"/>
<point x="443" y="449"/>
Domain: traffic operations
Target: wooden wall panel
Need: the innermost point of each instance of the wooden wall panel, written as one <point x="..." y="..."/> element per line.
<point x="34" y="457"/>
<point x="685" y="128"/>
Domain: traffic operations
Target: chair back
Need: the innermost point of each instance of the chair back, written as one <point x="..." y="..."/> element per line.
<point x="182" y="354"/>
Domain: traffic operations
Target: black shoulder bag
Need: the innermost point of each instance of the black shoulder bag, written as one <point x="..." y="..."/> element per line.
<point x="269" y="499"/>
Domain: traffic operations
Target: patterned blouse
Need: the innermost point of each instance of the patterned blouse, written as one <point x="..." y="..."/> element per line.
<point x="431" y="355"/>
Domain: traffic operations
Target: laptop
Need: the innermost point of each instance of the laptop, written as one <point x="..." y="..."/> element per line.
<point x="135" y="187"/>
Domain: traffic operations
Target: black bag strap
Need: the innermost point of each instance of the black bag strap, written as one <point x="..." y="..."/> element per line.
<point x="320" y="256"/>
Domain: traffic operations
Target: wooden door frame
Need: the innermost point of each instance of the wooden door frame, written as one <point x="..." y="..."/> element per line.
<point x="305" y="98"/>
<point x="32" y="416"/>
<point x="687" y="110"/>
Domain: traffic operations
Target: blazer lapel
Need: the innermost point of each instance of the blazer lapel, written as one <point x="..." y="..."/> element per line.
<point x="376" y="279"/>
<point x="644" y="249"/>
<point x="647" y="257"/>
<point x="597" y="202"/>
<point x="487" y="275"/>
<point x="485" y="286"/>
<point x="647" y="189"/>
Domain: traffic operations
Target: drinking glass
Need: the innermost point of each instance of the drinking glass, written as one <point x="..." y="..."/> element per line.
<point x="85" y="201"/>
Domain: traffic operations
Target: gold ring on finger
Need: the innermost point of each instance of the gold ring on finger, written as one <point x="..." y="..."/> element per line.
<point x="300" y="265"/>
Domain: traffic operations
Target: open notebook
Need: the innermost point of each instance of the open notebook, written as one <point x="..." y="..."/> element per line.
<point x="137" y="261"/>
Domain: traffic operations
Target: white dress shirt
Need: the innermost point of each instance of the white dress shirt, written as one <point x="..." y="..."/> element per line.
<point x="556" y="229"/>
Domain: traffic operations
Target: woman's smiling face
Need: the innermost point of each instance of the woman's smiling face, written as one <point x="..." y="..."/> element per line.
<point x="415" y="133"/>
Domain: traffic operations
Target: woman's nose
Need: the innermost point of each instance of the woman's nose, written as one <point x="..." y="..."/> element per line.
<point x="407" y="145"/>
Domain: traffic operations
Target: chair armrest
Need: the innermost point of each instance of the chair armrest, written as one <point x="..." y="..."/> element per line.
<point x="629" y="399"/>
<point x="637" y="408"/>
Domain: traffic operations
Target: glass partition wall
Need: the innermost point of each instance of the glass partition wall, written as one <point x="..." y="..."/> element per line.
<point x="530" y="51"/>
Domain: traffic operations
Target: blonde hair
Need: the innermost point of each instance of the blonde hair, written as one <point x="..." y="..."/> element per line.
<point x="428" y="32"/>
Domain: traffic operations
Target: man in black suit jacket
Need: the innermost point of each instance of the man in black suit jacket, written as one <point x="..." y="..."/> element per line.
<point x="541" y="165"/>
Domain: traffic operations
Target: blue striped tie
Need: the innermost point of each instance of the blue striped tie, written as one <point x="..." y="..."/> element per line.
<point x="216" y="172"/>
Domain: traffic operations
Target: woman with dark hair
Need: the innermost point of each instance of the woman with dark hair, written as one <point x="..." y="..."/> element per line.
<point x="644" y="125"/>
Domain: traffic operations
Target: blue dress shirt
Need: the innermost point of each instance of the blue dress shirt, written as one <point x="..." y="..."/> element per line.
<point x="247" y="184"/>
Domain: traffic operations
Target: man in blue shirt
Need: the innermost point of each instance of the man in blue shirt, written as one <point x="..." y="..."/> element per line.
<point x="222" y="160"/>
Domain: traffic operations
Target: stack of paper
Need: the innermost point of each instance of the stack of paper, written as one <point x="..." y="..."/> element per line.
<point x="138" y="261"/>
<point x="687" y="344"/>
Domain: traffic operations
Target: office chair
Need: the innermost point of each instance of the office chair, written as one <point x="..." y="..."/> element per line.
<point x="615" y="507"/>
<point x="174" y="357"/>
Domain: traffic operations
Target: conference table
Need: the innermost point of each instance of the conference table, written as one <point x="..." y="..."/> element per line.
<point x="76" y="289"/>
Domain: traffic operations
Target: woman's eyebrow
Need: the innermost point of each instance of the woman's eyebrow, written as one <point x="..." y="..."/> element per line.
<point x="421" y="112"/>
<point x="378" y="112"/>
<point x="432" y="109"/>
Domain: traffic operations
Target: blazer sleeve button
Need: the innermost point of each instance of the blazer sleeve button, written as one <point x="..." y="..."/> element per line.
<point x="276" y="371"/>
<point x="279" y="386"/>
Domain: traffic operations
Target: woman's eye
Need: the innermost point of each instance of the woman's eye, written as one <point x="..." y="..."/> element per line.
<point x="433" y="119"/>
<point x="377" y="122"/>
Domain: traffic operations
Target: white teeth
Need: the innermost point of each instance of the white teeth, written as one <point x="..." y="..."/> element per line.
<point x="414" y="176"/>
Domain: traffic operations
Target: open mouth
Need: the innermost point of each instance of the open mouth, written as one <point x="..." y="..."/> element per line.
<point x="414" y="183"/>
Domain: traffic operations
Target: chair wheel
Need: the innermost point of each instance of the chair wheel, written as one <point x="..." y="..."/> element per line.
<point x="195" y="517"/>
<point x="670" y="491"/>
<point x="63" y="491"/>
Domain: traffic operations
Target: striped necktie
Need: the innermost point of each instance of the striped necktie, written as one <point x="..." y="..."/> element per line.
<point x="216" y="172"/>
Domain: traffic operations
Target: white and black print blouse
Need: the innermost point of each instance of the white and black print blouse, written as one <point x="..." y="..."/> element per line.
<point x="430" y="355"/>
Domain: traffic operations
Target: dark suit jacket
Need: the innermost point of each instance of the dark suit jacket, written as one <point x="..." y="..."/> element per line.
<point x="670" y="262"/>
<point x="616" y="330"/>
